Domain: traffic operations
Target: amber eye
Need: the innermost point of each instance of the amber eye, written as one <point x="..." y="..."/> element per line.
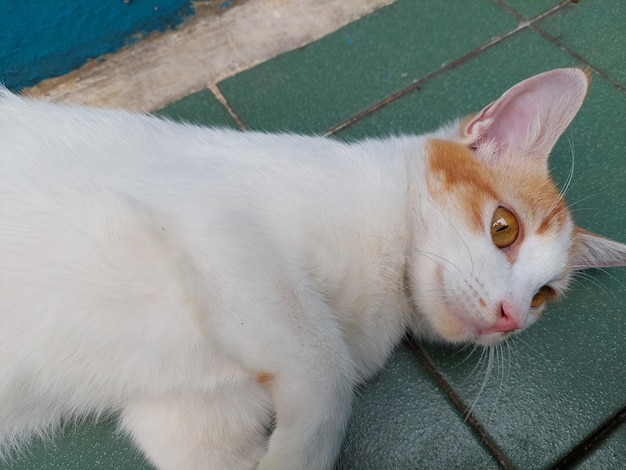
<point x="542" y="296"/>
<point x="504" y="227"/>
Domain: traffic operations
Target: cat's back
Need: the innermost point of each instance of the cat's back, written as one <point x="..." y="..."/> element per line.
<point x="72" y="171"/>
<point x="57" y="155"/>
<point x="45" y="144"/>
<point x="64" y="142"/>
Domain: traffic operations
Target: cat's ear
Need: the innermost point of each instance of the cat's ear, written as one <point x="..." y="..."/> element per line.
<point x="594" y="251"/>
<point x="527" y="120"/>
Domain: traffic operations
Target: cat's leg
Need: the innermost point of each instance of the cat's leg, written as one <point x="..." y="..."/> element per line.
<point x="312" y="400"/>
<point x="228" y="429"/>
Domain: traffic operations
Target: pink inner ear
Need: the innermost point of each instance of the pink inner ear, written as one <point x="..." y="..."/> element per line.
<point x="528" y="119"/>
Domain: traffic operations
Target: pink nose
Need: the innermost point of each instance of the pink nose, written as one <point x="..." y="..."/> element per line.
<point x="508" y="320"/>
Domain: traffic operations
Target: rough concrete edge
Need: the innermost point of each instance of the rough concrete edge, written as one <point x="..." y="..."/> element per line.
<point x="205" y="50"/>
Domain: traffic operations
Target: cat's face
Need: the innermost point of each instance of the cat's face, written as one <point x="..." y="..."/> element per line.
<point x="500" y="246"/>
<point x="495" y="241"/>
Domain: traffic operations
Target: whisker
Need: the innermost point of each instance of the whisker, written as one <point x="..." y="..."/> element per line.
<point x="587" y="197"/>
<point x="489" y="353"/>
<point x="604" y="271"/>
<point x="568" y="180"/>
<point x="466" y="247"/>
<point x="579" y="276"/>
<point x="434" y="256"/>
<point x="570" y="173"/>
<point x="520" y="339"/>
<point x="476" y="366"/>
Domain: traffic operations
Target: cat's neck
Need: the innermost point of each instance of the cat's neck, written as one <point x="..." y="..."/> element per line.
<point x="345" y="218"/>
<point x="363" y="243"/>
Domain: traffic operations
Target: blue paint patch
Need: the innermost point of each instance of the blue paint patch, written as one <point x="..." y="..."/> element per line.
<point x="46" y="39"/>
<point x="349" y="41"/>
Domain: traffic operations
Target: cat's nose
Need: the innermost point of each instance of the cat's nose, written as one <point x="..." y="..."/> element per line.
<point x="508" y="320"/>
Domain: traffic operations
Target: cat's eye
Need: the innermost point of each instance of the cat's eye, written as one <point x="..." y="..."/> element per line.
<point x="542" y="296"/>
<point x="504" y="227"/>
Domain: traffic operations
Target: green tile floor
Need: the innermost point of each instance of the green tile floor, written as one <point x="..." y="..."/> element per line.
<point x="556" y="395"/>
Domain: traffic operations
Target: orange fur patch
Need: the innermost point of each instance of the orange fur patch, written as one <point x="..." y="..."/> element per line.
<point x="555" y="219"/>
<point x="265" y="379"/>
<point x="544" y="210"/>
<point x="458" y="174"/>
<point x="523" y="186"/>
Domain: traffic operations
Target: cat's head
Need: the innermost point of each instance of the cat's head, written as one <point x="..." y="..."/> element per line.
<point x="499" y="241"/>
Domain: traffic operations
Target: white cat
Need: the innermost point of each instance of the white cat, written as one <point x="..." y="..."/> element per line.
<point x="207" y="283"/>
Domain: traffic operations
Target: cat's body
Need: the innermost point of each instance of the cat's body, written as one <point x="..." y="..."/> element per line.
<point x="206" y="282"/>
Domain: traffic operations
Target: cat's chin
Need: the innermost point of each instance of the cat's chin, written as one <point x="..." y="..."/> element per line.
<point x="485" y="339"/>
<point x="491" y="339"/>
<point x="479" y="339"/>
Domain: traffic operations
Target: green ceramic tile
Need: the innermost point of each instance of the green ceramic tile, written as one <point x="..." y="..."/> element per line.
<point x="595" y="30"/>
<point x="611" y="454"/>
<point x="84" y="446"/>
<point x="465" y="89"/>
<point x="597" y="141"/>
<point x="401" y="421"/>
<point x="315" y="87"/>
<point x="565" y="375"/>
<point x="201" y="108"/>
<point x="531" y="8"/>
<point x="552" y="385"/>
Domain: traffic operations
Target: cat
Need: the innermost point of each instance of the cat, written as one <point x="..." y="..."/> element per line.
<point x="225" y="291"/>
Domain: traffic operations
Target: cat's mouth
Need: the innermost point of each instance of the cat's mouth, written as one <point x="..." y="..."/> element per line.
<point x="460" y="328"/>
<point x="457" y="326"/>
<point x="491" y="339"/>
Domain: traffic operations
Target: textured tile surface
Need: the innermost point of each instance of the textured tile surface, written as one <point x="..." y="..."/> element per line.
<point x="464" y="89"/>
<point x="401" y="421"/>
<point x="201" y="108"/>
<point x="529" y="9"/>
<point x="559" y="379"/>
<point x="82" y="447"/>
<point x="594" y="30"/>
<point x="609" y="456"/>
<point x="315" y="87"/>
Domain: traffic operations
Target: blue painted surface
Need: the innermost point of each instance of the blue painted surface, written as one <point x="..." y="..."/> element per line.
<point x="41" y="39"/>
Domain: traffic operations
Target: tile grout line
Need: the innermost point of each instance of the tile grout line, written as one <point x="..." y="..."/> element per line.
<point x="588" y="445"/>
<point x="416" y="85"/>
<point x="219" y="96"/>
<point x="461" y="407"/>
<point x="557" y="43"/>
<point x="538" y="16"/>
<point x="578" y="57"/>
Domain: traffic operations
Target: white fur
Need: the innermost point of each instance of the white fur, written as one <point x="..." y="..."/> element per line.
<point x="158" y="269"/>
